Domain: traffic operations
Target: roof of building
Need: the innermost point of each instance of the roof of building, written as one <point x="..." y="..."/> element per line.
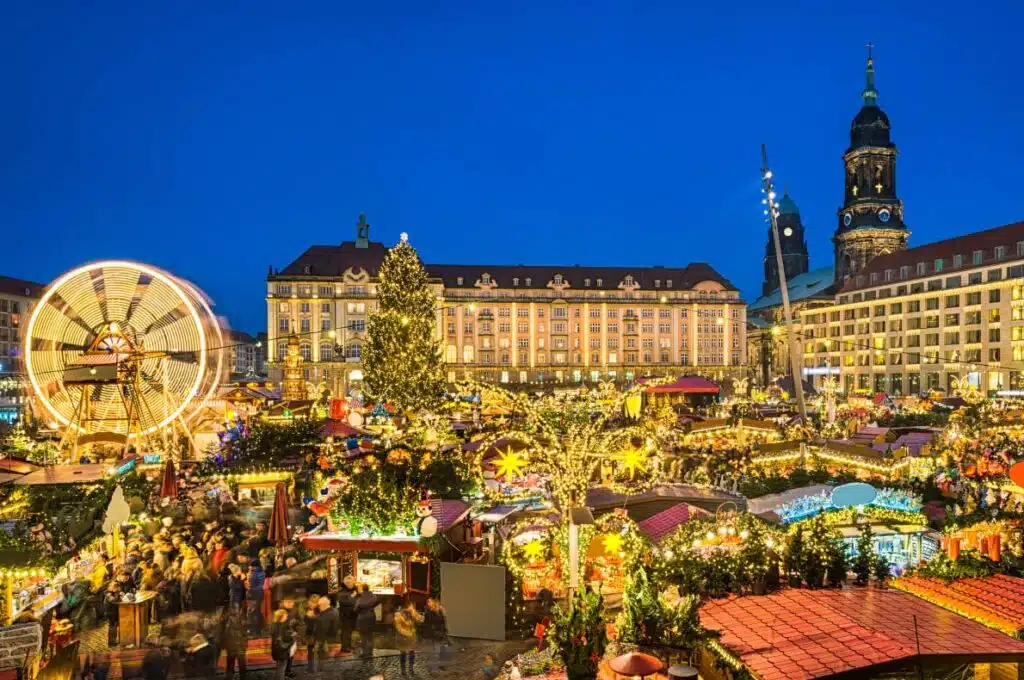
<point x="241" y="337"/>
<point x="987" y="241"/>
<point x="811" y="284"/>
<point x="332" y="261"/>
<point x="686" y="384"/>
<point x="797" y="634"/>
<point x="20" y="287"/>
<point x="787" y="206"/>
<point x="656" y="527"/>
<point x="996" y="601"/>
<point x="448" y="513"/>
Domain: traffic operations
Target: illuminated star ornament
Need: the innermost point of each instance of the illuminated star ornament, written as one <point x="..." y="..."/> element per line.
<point x="510" y="463"/>
<point x="405" y="237"/>
<point x="612" y="544"/>
<point x="533" y="550"/>
<point x="633" y="460"/>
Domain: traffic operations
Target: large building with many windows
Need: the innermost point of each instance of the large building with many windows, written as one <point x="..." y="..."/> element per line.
<point x="914" y="320"/>
<point x="516" y="324"/>
<point x="17" y="298"/>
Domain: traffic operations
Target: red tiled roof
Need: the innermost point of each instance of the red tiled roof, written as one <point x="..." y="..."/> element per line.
<point x="996" y="601"/>
<point x="797" y="634"/>
<point x="657" y="527"/>
<point x="986" y="241"/>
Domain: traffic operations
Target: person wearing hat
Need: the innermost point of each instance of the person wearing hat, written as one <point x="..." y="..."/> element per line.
<point x="200" y="658"/>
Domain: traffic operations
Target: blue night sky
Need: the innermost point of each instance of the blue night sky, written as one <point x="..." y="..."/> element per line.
<point x="215" y="139"/>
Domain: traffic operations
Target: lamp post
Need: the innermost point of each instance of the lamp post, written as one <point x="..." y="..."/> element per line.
<point x="577" y="518"/>
<point x="772" y="211"/>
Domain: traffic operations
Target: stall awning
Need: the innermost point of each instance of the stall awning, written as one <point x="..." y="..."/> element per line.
<point x="339" y="542"/>
<point x="688" y="384"/>
<point x="66" y="474"/>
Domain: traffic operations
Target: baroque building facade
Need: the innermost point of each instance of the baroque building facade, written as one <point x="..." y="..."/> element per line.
<point x="515" y="324"/>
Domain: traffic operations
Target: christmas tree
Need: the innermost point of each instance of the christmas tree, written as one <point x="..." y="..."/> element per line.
<point x="401" y="358"/>
<point x="864" y="562"/>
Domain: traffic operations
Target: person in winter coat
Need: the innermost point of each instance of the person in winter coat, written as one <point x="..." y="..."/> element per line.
<point x="281" y="640"/>
<point x="237" y="586"/>
<point x="234" y="641"/>
<point x="309" y="634"/>
<point x="366" y="619"/>
<point x="156" y="665"/>
<point x="326" y="629"/>
<point x="347" y="595"/>
<point x="254" y="595"/>
<point x="111" y="606"/>
<point x="407" y="621"/>
<point x="435" y="630"/>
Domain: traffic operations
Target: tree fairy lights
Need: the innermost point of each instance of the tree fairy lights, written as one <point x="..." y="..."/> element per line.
<point x="401" y="358"/>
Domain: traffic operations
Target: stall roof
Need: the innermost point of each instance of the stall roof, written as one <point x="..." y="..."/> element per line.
<point x="18" y="466"/>
<point x="687" y="384"/>
<point x="6" y="477"/>
<point x="448" y="512"/>
<point x="997" y="601"/>
<point x="661" y="497"/>
<point x="656" y="527"/>
<point x="66" y="474"/>
<point x="330" y="541"/>
<point x="797" y="634"/>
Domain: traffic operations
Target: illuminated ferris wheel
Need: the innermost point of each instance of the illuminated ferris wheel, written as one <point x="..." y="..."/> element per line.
<point x="122" y="353"/>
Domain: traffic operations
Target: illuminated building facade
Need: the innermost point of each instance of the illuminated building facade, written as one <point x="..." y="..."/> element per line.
<point x="914" y="320"/>
<point x="516" y="324"/>
<point x="16" y="300"/>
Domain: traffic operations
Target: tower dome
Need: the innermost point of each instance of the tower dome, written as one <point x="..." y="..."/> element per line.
<point x="870" y="127"/>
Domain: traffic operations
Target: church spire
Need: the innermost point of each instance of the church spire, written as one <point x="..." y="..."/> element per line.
<point x="870" y="94"/>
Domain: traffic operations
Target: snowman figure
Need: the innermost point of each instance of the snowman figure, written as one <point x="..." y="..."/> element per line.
<point x="426" y="523"/>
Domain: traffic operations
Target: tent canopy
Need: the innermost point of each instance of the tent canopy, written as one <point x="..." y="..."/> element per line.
<point x="687" y="384"/>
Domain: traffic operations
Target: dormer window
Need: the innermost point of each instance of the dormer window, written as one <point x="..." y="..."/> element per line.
<point x="905" y="272"/>
<point x="977" y="257"/>
<point x="668" y="283"/>
<point x="1000" y="252"/>
<point x="874" y="277"/>
<point x="939" y="264"/>
<point x="889" y="274"/>
<point x="1020" y="248"/>
<point x="528" y="280"/>
<point x="657" y="283"/>
<point x="559" y="280"/>
<point x="485" y="279"/>
<point x="458" y="281"/>
<point x="920" y="268"/>
<point x="628" y="281"/>
<point x="515" y="280"/>
<point x="586" y="283"/>
<point x="599" y="282"/>
<point x="958" y="261"/>
<point x="307" y="269"/>
<point x="860" y="280"/>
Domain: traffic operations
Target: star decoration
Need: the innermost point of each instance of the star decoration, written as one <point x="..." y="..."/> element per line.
<point x="612" y="544"/>
<point x="633" y="460"/>
<point x="510" y="464"/>
<point x="405" y="237"/>
<point x="533" y="550"/>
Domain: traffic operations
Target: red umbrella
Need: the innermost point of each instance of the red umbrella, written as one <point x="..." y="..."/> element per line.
<point x="169" y="484"/>
<point x="277" y="532"/>
<point x="635" y="663"/>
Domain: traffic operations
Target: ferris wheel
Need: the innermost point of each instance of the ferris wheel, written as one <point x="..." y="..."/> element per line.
<point x="120" y="352"/>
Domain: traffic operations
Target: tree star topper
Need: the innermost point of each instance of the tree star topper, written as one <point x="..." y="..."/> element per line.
<point x="405" y="237"/>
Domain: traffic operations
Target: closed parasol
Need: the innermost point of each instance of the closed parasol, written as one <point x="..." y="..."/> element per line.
<point x="277" y="531"/>
<point x="635" y="664"/>
<point x="169" y="483"/>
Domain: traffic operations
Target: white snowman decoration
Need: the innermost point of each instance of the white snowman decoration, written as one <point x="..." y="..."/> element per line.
<point x="426" y="523"/>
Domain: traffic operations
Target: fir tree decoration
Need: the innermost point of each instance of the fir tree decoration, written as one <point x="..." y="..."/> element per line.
<point x="864" y="561"/>
<point x="580" y="635"/>
<point x="881" y="569"/>
<point x="793" y="563"/>
<point x="401" y="358"/>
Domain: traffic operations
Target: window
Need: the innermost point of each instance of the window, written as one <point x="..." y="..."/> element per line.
<point x="939" y="263"/>
<point x="306" y="351"/>
<point x="467" y="354"/>
<point x="905" y="272"/>
<point x="977" y="257"/>
<point x="282" y="325"/>
<point x="356" y="308"/>
<point x="668" y="283"/>
<point x="326" y="352"/>
<point x="1000" y="252"/>
<point x="993" y="335"/>
<point x="995" y="275"/>
<point x="325" y="324"/>
<point x="515" y="280"/>
<point x="1020" y="248"/>
<point x="599" y="283"/>
<point x="931" y="303"/>
<point x="304" y="308"/>
<point x="993" y="295"/>
<point x="920" y="268"/>
<point x="459" y="280"/>
<point x="528" y="281"/>
<point x="896" y="308"/>
<point x="952" y="301"/>
<point x="993" y="315"/>
<point x="958" y="260"/>
<point x="559" y="280"/>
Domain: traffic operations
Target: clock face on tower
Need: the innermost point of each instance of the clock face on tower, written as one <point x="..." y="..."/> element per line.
<point x="788" y="231"/>
<point x="884" y="215"/>
<point x="847" y="219"/>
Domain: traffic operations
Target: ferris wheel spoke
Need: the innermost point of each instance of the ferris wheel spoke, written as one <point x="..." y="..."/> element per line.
<point x="100" y="289"/>
<point x="65" y="308"/>
<point x="167" y="319"/>
<point x="51" y="345"/>
<point x="141" y="288"/>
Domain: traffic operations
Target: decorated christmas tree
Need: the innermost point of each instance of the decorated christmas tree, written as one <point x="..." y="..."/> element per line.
<point x="401" y="359"/>
<point x="864" y="562"/>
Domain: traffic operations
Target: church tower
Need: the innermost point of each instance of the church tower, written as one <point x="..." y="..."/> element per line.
<point x="795" y="260"/>
<point x="871" y="219"/>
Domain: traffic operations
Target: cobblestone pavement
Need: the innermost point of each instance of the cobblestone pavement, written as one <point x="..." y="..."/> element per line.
<point x="467" y="660"/>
